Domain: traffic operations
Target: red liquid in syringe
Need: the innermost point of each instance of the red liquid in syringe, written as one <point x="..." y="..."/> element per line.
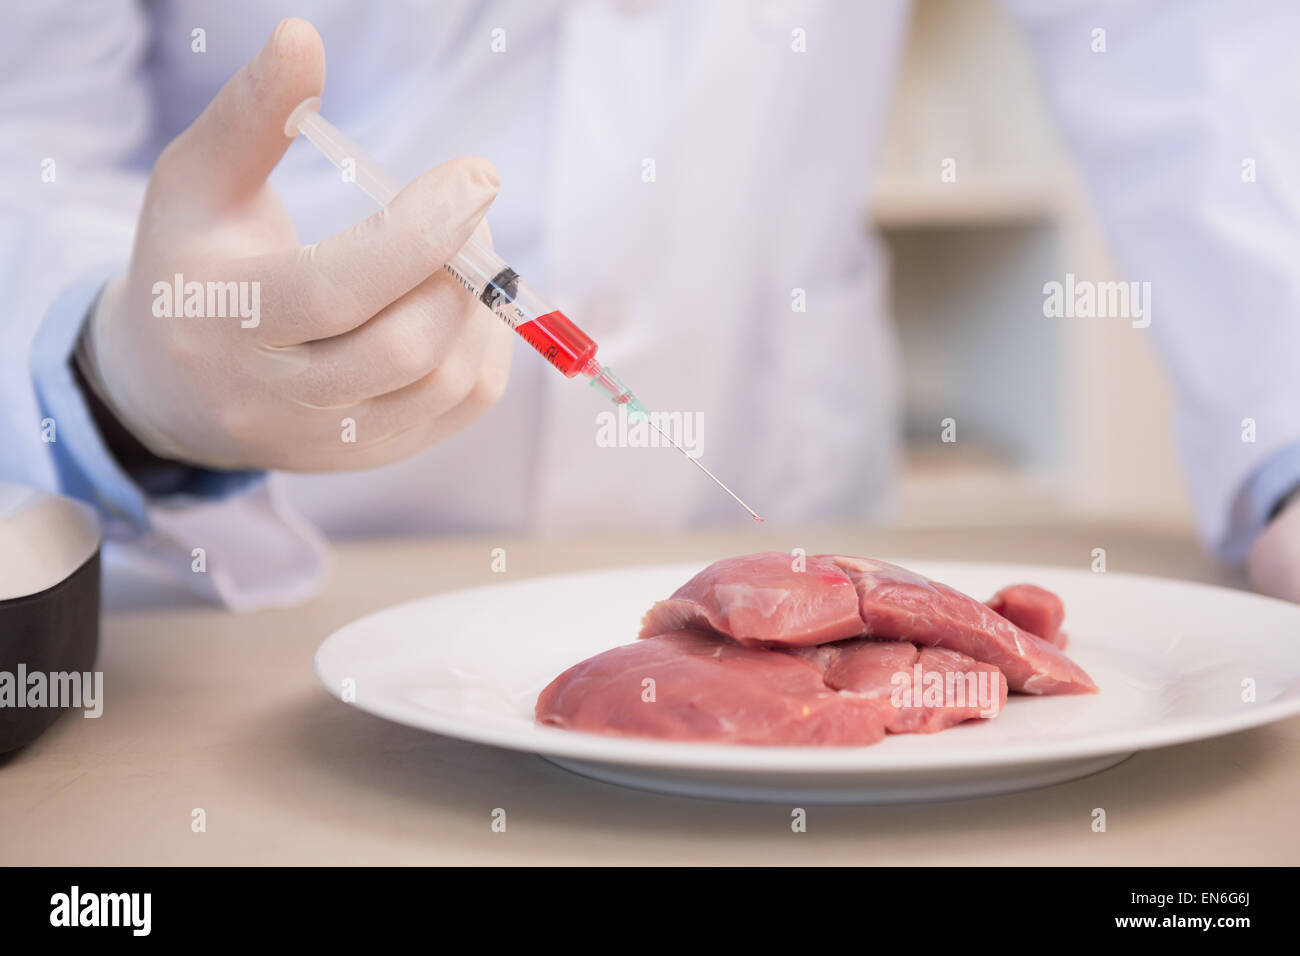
<point x="559" y="341"/>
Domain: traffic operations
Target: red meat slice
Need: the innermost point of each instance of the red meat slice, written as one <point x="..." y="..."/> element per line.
<point x="967" y="689"/>
<point x="1037" y="610"/>
<point x="759" y="599"/>
<point x="707" y="689"/>
<point x="897" y="604"/>
<point x="934" y="702"/>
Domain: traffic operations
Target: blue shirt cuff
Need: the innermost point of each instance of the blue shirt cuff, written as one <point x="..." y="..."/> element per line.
<point x="1269" y="485"/>
<point x="85" y="467"/>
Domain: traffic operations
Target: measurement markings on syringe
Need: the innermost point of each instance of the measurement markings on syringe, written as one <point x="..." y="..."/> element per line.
<point x="501" y="291"/>
<point x="469" y="286"/>
<point x="498" y="293"/>
<point x="491" y="297"/>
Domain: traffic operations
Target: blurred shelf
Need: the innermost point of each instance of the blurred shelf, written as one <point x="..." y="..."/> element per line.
<point x="974" y="486"/>
<point x="899" y="202"/>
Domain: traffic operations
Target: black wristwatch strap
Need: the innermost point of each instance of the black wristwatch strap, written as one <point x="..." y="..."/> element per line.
<point x="155" y="475"/>
<point x="1282" y="502"/>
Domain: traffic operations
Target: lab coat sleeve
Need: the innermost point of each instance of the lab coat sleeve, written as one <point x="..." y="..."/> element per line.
<point x="76" y="114"/>
<point x="1184" y="132"/>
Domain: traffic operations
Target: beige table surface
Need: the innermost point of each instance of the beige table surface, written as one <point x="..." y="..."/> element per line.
<point x="205" y="709"/>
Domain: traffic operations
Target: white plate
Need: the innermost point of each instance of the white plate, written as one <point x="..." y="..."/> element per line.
<point x="1172" y="660"/>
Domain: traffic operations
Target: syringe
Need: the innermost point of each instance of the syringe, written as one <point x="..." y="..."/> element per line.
<point x="490" y="280"/>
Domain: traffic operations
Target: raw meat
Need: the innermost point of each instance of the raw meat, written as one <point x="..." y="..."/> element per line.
<point x="759" y="599"/>
<point x="707" y="689"/>
<point x="946" y="687"/>
<point x="753" y="651"/>
<point x="1037" y="610"/>
<point x="710" y="689"/>
<point x="899" y="605"/>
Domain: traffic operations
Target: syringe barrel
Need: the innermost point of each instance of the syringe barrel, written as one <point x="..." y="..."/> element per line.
<point x="353" y="161"/>
<point x="480" y="270"/>
<point x="548" y="330"/>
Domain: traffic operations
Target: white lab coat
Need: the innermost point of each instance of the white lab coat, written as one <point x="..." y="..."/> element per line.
<point x="761" y="156"/>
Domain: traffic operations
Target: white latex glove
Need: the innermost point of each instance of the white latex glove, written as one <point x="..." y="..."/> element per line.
<point x="1275" y="556"/>
<point x="364" y="327"/>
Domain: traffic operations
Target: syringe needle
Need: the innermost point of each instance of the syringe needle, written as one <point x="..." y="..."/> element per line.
<point x="697" y="464"/>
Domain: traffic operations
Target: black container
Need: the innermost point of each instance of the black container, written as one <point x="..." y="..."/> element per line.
<point x="49" y="602"/>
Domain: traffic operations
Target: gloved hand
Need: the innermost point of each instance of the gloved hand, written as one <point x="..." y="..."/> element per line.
<point x="1275" y="556"/>
<point x="365" y="326"/>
